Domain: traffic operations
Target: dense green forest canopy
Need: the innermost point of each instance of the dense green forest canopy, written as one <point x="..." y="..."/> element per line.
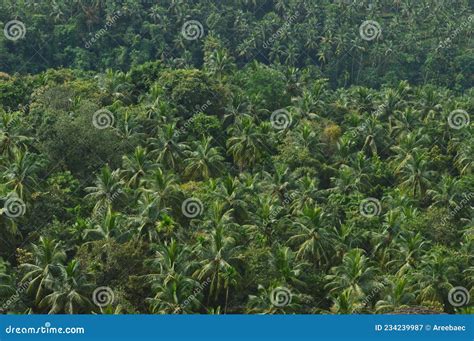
<point x="420" y="40"/>
<point x="236" y="157"/>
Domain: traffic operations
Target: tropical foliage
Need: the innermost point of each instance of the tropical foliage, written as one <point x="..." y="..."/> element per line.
<point x="321" y="174"/>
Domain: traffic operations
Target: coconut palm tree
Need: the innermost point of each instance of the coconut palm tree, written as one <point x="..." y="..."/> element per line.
<point x="464" y="159"/>
<point x="175" y="296"/>
<point x="312" y="236"/>
<point x="220" y="63"/>
<point x="163" y="186"/>
<point x="410" y="143"/>
<point x="355" y="176"/>
<point x="166" y="147"/>
<point x="416" y="175"/>
<point x="288" y="268"/>
<point x="20" y="175"/>
<point x="150" y="212"/>
<point x="347" y="302"/>
<point x="246" y="144"/>
<point x="433" y="279"/>
<point x="107" y="230"/>
<point x="172" y="287"/>
<point x="69" y="291"/>
<point x="48" y="256"/>
<point x="203" y="161"/>
<point x="406" y="251"/>
<point x="445" y="193"/>
<point x="397" y="295"/>
<point x="217" y="255"/>
<point x="108" y="186"/>
<point x="11" y="136"/>
<point x="136" y="166"/>
<point x="232" y="193"/>
<point x="355" y="272"/>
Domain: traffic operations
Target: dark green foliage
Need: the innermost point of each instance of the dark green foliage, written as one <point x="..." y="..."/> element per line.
<point x="418" y="41"/>
<point x="192" y="91"/>
<point x="72" y="140"/>
<point x="280" y="151"/>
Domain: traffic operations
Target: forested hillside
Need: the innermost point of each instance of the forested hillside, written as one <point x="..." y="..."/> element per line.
<point x="420" y="40"/>
<point x="220" y="157"/>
